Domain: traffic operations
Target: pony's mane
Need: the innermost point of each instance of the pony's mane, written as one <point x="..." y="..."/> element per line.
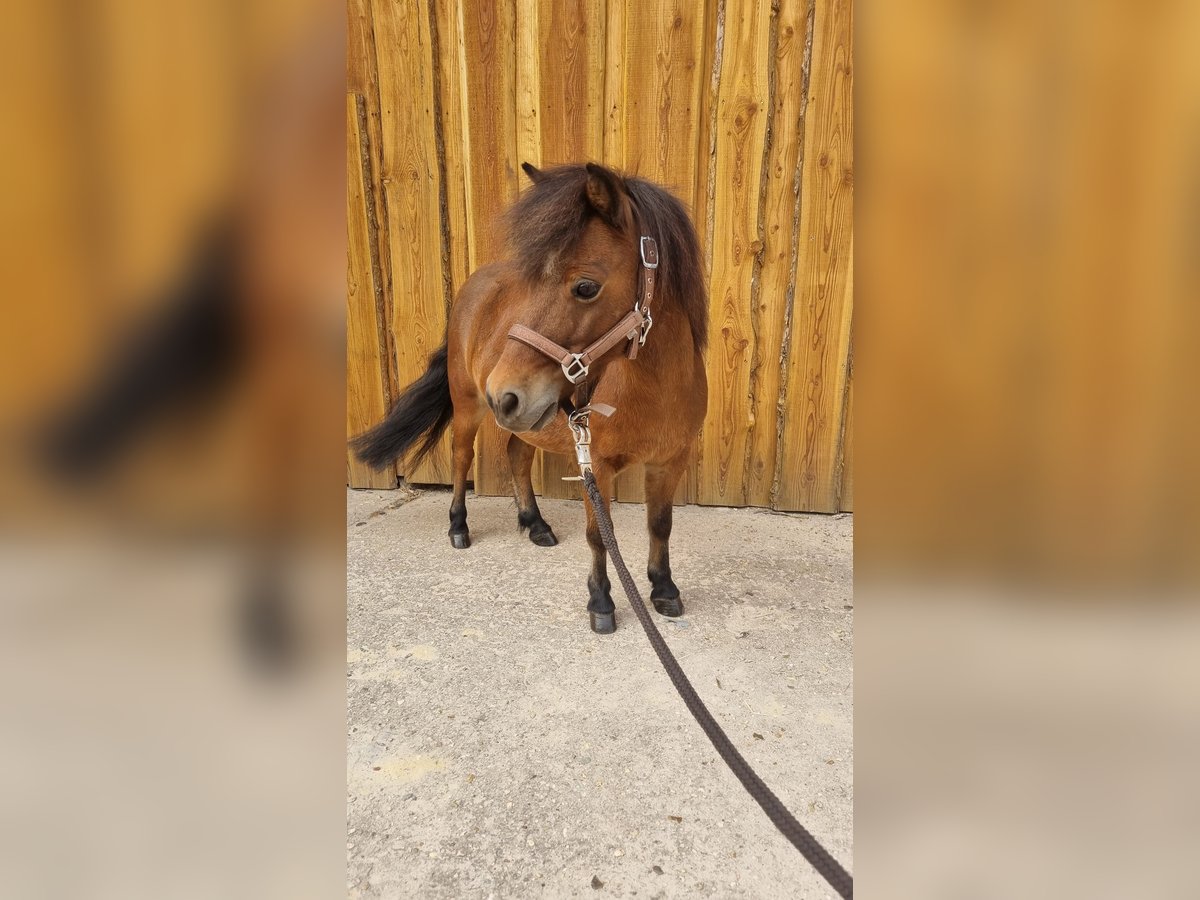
<point x="549" y="218"/>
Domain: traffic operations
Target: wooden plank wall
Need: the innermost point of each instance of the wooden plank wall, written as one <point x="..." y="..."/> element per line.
<point x="743" y="108"/>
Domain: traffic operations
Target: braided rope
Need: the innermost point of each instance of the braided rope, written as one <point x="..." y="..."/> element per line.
<point x="820" y="859"/>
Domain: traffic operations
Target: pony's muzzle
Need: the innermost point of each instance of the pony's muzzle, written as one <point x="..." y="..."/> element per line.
<point x="508" y="405"/>
<point x="517" y="410"/>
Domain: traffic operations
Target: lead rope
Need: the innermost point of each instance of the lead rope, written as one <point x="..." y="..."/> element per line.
<point x="818" y="857"/>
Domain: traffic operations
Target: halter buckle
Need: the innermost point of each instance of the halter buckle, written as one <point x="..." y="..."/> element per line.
<point x="647" y="324"/>
<point x="575" y="370"/>
<point x="649" y="250"/>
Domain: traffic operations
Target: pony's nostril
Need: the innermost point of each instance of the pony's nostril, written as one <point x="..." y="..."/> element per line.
<point x="509" y="402"/>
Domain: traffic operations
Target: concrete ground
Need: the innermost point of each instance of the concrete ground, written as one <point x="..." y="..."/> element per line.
<point x="497" y="748"/>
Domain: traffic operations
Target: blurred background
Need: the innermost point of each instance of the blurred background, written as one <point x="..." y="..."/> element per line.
<point x="172" y="419"/>
<point x="1028" y="273"/>
<point x="171" y="493"/>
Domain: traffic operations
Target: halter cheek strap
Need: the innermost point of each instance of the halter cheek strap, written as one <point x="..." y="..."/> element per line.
<point x="633" y="326"/>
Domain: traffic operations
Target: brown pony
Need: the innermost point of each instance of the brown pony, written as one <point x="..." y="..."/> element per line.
<point x="575" y="269"/>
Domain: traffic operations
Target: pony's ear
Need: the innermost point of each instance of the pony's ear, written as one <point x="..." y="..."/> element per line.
<point x="605" y="193"/>
<point x="534" y="173"/>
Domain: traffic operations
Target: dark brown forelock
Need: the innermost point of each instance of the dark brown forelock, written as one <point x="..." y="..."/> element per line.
<point x="550" y="217"/>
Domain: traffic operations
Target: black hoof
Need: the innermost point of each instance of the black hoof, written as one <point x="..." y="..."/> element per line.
<point x="603" y="623"/>
<point x="460" y="540"/>
<point x="668" y="606"/>
<point x="543" y="538"/>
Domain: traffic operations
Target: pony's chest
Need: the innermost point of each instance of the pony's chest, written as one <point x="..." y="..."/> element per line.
<point x="620" y="440"/>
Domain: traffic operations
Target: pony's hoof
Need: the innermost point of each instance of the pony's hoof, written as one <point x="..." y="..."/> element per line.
<point x="544" y="538"/>
<point x="668" y="606"/>
<point x="460" y="540"/>
<point x="603" y="623"/>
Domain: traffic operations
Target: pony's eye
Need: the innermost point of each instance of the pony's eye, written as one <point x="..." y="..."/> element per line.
<point x="585" y="290"/>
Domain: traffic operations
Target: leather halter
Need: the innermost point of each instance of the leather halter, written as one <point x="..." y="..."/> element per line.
<point x="633" y="327"/>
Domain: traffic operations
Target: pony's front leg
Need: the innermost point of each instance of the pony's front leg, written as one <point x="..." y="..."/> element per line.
<point x="661" y="482"/>
<point x="601" y="611"/>
<point x="529" y="517"/>
<point x="464" y="426"/>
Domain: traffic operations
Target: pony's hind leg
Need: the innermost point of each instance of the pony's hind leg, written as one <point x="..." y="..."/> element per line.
<point x="464" y="426"/>
<point x="529" y="517"/>
<point x="661" y="482"/>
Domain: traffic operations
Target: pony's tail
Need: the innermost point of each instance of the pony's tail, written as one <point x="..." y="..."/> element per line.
<point x="417" y="420"/>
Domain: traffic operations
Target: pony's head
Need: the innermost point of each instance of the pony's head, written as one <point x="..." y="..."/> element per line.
<point x="574" y="239"/>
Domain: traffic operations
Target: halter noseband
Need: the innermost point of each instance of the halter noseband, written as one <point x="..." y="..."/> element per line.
<point x="633" y="327"/>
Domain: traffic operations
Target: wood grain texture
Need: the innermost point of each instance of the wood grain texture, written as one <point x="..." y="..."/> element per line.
<point x="360" y="48"/>
<point x="451" y="63"/>
<point x="529" y="141"/>
<point x="779" y="213"/>
<point x="742" y="108"/>
<point x="528" y="123"/>
<point x="411" y="188"/>
<point x="363" y="78"/>
<point x="845" y="450"/>
<point x="705" y="181"/>
<point x="366" y="371"/>
<point x="447" y="26"/>
<point x="742" y="118"/>
<point x="846" y="495"/>
<point x="489" y="129"/>
<point x="653" y="90"/>
<point x="653" y="100"/>
<point x="528" y="84"/>
<point x="809" y="468"/>
<point x="568" y="55"/>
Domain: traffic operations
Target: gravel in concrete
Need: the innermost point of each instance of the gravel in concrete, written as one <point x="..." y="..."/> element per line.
<point x="497" y="748"/>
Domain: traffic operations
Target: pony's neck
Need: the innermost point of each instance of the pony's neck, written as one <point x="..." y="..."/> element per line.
<point x="669" y="350"/>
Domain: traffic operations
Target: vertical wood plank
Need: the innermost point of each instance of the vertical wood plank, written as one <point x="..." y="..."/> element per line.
<point x="773" y="296"/>
<point x="704" y="187"/>
<point x="366" y="371"/>
<point x="447" y="18"/>
<point x="653" y="113"/>
<point x="613" y="138"/>
<point x="817" y="363"/>
<point x="411" y="187"/>
<point x="363" y="78"/>
<point x="528" y="89"/>
<point x="569" y="48"/>
<point x="528" y="124"/>
<point x="489" y="54"/>
<point x="742" y="114"/>
<point x="846" y="444"/>
<point x="451" y="203"/>
<point x="653" y="97"/>
<point x="846" y="497"/>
